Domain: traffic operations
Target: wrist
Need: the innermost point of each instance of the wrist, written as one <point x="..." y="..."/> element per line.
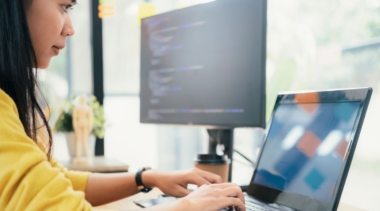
<point x="181" y="203"/>
<point x="148" y="178"/>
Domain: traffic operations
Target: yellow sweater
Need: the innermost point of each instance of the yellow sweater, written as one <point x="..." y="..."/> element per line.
<point x="27" y="180"/>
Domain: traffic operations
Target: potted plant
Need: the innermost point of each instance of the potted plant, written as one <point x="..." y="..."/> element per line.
<point x="64" y="124"/>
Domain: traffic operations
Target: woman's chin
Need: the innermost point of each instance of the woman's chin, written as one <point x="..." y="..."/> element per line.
<point x="43" y="64"/>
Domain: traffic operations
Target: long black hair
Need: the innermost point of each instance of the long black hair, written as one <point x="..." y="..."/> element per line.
<point x="18" y="62"/>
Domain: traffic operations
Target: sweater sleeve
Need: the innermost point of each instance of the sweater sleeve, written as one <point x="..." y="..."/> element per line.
<point x="77" y="178"/>
<point x="27" y="180"/>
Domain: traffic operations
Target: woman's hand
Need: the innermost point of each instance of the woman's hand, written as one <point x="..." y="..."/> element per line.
<point x="207" y="198"/>
<point x="214" y="197"/>
<point x="175" y="183"/>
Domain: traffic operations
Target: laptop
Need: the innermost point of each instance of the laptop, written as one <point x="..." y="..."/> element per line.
<point x="308" y="149"/>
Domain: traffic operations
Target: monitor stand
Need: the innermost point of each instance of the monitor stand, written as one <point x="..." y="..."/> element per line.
<point x="224" y="137"/>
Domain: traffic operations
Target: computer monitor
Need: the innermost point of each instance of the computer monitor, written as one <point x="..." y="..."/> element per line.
<point x="205" y="65"/>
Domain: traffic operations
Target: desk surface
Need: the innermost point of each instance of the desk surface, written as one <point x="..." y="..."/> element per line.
<point x="127" y="203"/>
<point x="98" y="164"/>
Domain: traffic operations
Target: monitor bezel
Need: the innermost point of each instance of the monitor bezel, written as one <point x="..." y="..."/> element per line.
<point x="254" y="124"/>
<point x="301" y="202"/>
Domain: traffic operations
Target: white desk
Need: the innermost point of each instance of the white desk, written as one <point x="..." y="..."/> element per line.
<point x="98" y="164"/>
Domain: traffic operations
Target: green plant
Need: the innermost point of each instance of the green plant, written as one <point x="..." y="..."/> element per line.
<point x="64" y="122"/>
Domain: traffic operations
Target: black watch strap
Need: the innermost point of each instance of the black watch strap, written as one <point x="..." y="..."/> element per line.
<point x="140" y="186"/>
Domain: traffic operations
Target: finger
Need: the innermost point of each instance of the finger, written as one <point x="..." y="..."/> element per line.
<point x="182" y="192"/>
<point x="223" y="185"/>
<point x="234" y="202"/>
<point x="234" y="192"/>
<point x="212" y="178"/>
<point x="198" y="180"/>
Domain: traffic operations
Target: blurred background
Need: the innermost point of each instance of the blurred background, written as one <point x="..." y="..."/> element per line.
<point x="311" y="45"/>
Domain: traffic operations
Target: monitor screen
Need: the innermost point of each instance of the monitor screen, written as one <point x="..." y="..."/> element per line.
<point x="306" y="148"/>
<point x="205" y="65"/>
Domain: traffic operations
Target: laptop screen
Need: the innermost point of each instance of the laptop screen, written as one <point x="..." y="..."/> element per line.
<point x="306" y="148"/>
<point x="310" y="143"/>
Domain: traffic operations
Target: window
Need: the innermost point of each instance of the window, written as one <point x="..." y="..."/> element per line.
<point x="317" y="45"/>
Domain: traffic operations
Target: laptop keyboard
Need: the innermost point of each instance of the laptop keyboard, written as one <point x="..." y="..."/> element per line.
<point x="253" y="205"/>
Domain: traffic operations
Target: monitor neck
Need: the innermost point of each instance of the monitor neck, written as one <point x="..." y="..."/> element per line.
<point x="222" y="137"/>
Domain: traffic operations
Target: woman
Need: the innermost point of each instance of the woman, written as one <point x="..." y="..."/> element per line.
<point x="31" y="33"/>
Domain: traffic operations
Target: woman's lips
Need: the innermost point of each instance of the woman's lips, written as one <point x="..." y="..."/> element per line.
<point x="56" y="50"/>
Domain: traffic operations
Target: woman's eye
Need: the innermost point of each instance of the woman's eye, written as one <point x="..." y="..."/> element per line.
<point x="67" y="7"/>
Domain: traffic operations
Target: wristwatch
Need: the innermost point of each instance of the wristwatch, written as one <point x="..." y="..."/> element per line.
<point x="140" y="186"/>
